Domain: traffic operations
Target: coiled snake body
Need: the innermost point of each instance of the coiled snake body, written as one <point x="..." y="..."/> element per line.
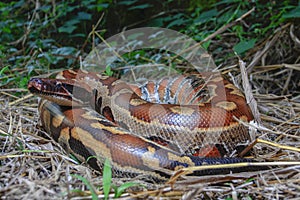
<point x="155" y="128"/>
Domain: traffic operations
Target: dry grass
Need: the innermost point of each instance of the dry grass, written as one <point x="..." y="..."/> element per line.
<point x="33" y="166"/>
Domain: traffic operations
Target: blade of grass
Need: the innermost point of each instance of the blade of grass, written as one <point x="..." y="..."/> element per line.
<point x="107" y="177"/>
<point x="88" y="184"/>
<point x="120" y="190"/>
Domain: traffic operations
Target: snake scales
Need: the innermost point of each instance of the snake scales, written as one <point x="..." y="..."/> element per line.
<point x="152" y="129"/>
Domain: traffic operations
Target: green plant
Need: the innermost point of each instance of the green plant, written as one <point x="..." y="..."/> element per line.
<point x="88" y="184"/>
<point x="107" y="178"/>
<point x="9" y="75"/>
<point x="43" y="36"/>
<point x="107" y="182"/>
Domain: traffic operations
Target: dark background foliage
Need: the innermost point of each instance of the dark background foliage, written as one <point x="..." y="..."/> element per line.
<point x="37" y="35"/>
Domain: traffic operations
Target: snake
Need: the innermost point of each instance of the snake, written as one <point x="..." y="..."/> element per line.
<point x="153" y="129"/>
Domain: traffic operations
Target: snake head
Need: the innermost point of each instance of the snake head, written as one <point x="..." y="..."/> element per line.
<point x="61" y="91"/>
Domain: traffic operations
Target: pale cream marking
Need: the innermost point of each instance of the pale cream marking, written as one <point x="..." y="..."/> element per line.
<point x="64" y="135"/>
<point x="74" y="135"/>
<point x="87" y="115"/>
<point x="57" y="120"/>
<point x="113" y="130"/>
<point x="182" y="110"/>
<point x="98" y="125"/>
<point x="244" y="118"/>
<point x="99" y="76"/>
<point x="84" y="71"/>
<point x="90" y="142"/>
<point x="217" y="79"/>
<point x="47" y="118"/>
<point x="179" y="167"/>
<point x="235" y="90"/>
<point x="126" y="90"/>
<point x="182" y="159"/>
<point x="102" y="77"/>
<point x="217" y="129"/>
<point x="118" y="81"/>
<point x="103" y="91"/>
<point x="63" y="140"/>
<point x="72" y="72"/>
<point x="212" y="92"/>
<point x="149" y="159"/>
<point x="137" y="102"/>
<point x="60" y="75"/>
<point x="227" y="105"/>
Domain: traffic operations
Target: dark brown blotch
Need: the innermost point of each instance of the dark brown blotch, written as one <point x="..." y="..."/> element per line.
<point x="107" y="113"/>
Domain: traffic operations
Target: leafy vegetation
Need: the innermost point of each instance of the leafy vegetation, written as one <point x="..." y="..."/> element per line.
<point x="46" y="35"/>
<point x="88" y="184"/>
<point x="107" y="182"/>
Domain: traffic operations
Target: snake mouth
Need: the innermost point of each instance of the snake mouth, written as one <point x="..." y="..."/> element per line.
<point x="39" y="87"/>
<point x="48" y="86"/>
<point x="61" y="91"/>
<point x="50" y="90"/>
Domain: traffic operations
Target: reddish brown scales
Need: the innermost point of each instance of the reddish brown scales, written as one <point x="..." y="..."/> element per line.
<point x="121" y="103"/>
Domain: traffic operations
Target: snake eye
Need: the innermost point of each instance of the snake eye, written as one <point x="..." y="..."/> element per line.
<point x="57" y="86"/>
<point x="36" y="81"/>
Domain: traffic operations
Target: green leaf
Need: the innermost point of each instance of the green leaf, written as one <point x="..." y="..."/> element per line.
<point x="84" y="16"/>
<point x="67" y="29"/>
<point x="218" y="3"/>
<point x="108" y="71"/>
<point x="102" y="6"/>
<point x="205" y="45"/>
<point x="143" y="6"/>
<point x="177" y="22"/>
<point x="88" y="184"/>
<point x="3" y="70"/>
<point x="295" y="13"/>
<point x="107" y="177"/>
<point x="206" y="16"/>
<point x="23" y="82"/>
<point x="127" y="3"/>
<point x="120" y="190"/>
<point x="64" y="51"/>
<point x="74" y="158"/>
<point x="244" y="45"/>
<point x="158" y="22"/>
<point x="72" y="21"/>
<point x="6" y="30"/>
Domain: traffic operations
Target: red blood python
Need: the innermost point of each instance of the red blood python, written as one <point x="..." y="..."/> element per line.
<point x="155" y="128"/>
